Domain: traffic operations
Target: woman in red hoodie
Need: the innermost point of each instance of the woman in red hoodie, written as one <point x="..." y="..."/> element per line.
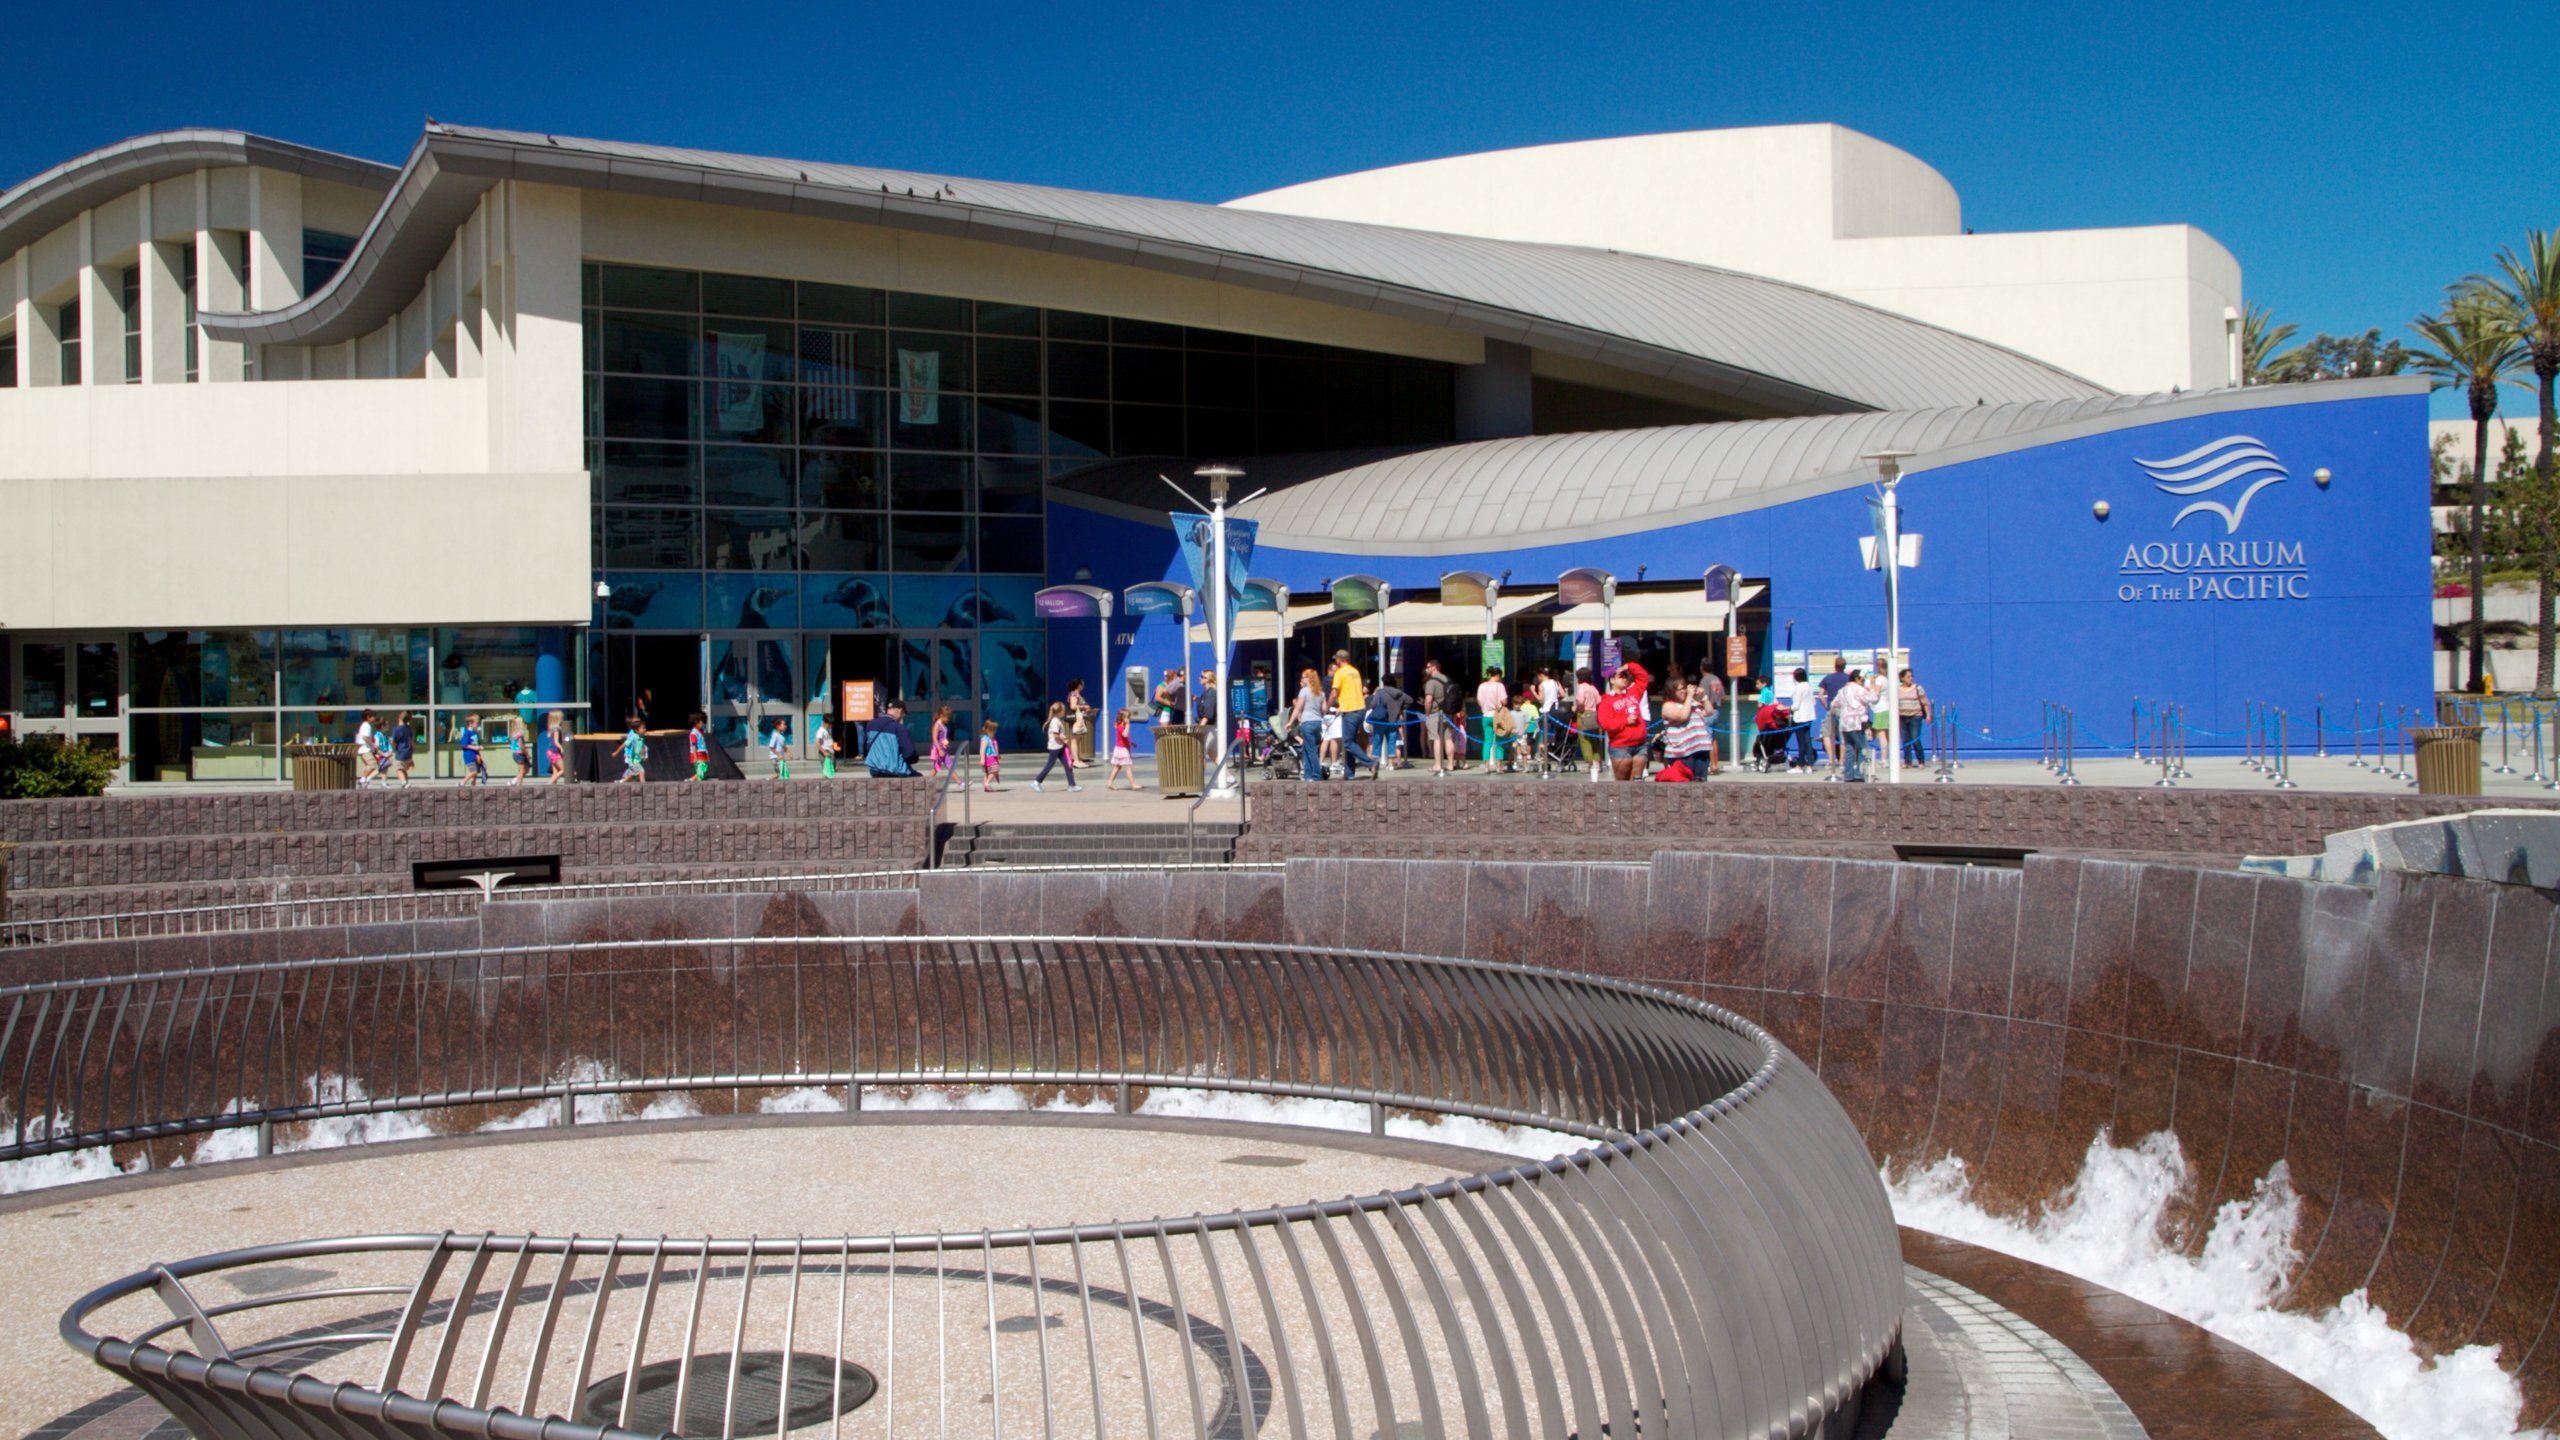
<point x="1622" y="720"/>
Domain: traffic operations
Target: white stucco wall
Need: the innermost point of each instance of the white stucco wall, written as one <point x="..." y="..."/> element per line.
<point x="2138" y="309"/>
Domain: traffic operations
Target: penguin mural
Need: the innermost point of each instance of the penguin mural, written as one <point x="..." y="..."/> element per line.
<point x="859" y="602"/>
<point x="629" y="603"/>
<point x="977" y="608"/>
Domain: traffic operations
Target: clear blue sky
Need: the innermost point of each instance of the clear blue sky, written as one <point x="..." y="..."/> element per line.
<point x="2356" y="157"/>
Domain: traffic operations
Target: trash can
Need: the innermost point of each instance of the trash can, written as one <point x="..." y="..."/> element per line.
<point x="1181" y="758"/>
<point x="2448" y="759"/>
<point x="1081" y="746"/>
<point x="321" y="767"/>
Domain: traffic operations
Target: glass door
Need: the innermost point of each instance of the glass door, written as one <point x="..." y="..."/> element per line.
<point x="72" y="688"/>
<point x="754" y="687"/>
<point x="938" y="668"/>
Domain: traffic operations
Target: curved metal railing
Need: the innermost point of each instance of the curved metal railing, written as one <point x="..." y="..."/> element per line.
<point x="1717" y="1259"/>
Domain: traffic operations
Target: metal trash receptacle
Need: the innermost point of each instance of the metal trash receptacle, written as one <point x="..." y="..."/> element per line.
<point x="2448" y="759"/>
<point x="1181" y="759"/>
<point x="321" y="767"/>
<point x="1081" y="746"/>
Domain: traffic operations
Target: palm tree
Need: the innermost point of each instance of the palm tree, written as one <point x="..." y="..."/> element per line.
<point x="2470" y="344"/>
<point x="2261" y="345"/>
<point x="2526" y="293"/>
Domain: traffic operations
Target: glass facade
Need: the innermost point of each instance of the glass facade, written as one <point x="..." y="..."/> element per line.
<point x="865" y="471"/>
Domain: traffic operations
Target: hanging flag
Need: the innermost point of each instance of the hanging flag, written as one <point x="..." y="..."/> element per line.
<point x="1192" y="529"/>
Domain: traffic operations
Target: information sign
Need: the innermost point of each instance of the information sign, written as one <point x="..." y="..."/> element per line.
<point x="860" y="697"/>
<point x="1737" y="656"/>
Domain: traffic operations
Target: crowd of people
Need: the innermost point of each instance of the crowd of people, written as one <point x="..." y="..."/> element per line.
<point x="1626" y="727"/>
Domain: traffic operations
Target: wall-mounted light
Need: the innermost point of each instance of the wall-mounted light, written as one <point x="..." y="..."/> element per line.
<point x="2101" y="509"/>
<point x="1083" y="573"/>
<point x="603" y="591"/>
<point x="2320" y="477"/>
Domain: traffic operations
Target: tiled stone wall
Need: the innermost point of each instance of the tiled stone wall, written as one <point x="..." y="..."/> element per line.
<point x="1570" y="819"/>
<point x="198" y="839"/>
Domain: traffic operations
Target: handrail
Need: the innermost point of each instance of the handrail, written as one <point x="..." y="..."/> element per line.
<point x="1715" y="1256"/>
<point x="1232" y="761"/>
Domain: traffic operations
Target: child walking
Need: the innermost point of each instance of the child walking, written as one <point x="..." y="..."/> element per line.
<point x="1061" y="751"/>
<point x="475" y="770"/>
<point x="555" y="748"/>
<point x="696" y="747"/>
<point x="777" y="744"/>
<point x="1121" y="763"/>
<point x="988" y="758"/>
<point x="635" y="754"/>
<point x="823" y="740"/>
<point x="941" y="752"/>
<point x="520" y="751"/>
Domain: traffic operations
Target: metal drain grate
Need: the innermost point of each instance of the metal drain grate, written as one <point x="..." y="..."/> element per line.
<point x="760" y="1402"/>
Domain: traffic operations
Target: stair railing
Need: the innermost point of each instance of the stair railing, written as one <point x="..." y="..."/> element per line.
<point x="1231" y="763"/>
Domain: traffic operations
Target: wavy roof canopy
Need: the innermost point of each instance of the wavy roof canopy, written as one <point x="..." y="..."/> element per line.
<point x="38" y="206"/>
<point x="1759" y="343"/>
<point x="1559" y="489"/>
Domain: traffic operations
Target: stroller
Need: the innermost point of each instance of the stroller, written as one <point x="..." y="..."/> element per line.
<point x="1277" y="750"/>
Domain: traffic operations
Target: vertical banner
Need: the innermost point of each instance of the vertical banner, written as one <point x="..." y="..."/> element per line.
<point x="920" y="387"/>
<point x="1193" y="531"/>
<point x="737" y="360"/>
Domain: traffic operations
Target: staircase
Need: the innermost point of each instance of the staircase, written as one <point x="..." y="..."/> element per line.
<point x="1106" y="846"/>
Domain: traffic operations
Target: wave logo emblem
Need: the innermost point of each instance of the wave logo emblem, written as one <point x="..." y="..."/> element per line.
<point x="2241" y="460"/>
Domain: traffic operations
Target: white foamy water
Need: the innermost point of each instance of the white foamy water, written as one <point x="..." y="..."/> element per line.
<point x="2107" y="1228"/>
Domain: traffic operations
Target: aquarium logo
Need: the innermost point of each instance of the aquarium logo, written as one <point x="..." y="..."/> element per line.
<point x="2233" y="460"/>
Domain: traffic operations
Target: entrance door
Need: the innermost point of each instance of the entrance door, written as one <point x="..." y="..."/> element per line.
<point x="665" y="668"/>
<point x="72" y="688"/>
<point x="754" y="686"/>
<point x="937" y="668"/>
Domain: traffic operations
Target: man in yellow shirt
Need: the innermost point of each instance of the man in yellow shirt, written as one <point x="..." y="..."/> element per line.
<point x="1350" y="703"/>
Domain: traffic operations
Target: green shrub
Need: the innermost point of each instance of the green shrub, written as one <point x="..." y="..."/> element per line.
<point x="44" y="767"/>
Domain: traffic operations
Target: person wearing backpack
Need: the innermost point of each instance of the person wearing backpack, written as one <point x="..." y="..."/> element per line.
<point x="888" y="750"/>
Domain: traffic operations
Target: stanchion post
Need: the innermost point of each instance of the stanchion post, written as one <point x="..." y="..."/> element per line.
<point x="2506" y="732"/>
<point x="2320" y="726"/>
<point x="2160" y="742"/>
<point x="2355" y="725"/>
<point x="2069" y="776"/>
<point x="2137" y="730"/>
<point x="2284" y="752"/>
<point x="2248" y="734"/>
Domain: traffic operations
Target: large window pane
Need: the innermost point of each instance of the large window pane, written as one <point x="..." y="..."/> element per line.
<point x="748" y="350"/>
<point x="1081" y="431"/>
<point x="1144" y="332"/>
<point x="1219" y="432"/>
<point x="1009" y="427"/>
<point x="929" y="362"/>
<point x="1009" y="487"/>
<point x="644" y="409"/>
<point x="751" y="602"/>
<point x="652" y="539"/>
<point x="186" y="668"/>
<point x="354" y="667"/>
<point x="739" y="410"/>
<point x="486" y="665"/>
<point x="928" y="312"/>
<point x="44" y="680"/>
<point x="842" y="480"/>
<point x="1010" y="545"/>
<point x="649" y="289"/>
<point x="936" y="602"/>
<point x="1013" y="673"/>
<point x="746" y="295"/>
<point x="1146" y="377"/>
<point x="1218" y="380"/>
<point x="749" y="539"/>
<point x="653" y="602"/>
<point x="930" y="482"/>
<point x="238" y="745"/>
<point x="1009" y="367"/>
<point x="839" y="304"/>
<point x="929" y="543"/>
<point x="746" y="475"/>
<point x="925" y="420"/>
<point x="845" y="602"/>
<point x="841" y="357"/>
<point x="1146" y="430"/>
<point x="844" y="542"/>
<point x="1079" y="372"/>
<point x="1076" y="325"/>
<point x="841" y="417"/>
<point x="1007" y="600"/>
<point x="640" y="344"/>
<point x="1007" y="319"/>
<point x="629" y="474"/>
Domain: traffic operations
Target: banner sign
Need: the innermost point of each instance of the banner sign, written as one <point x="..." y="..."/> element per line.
<point x="1463" y="588"/>
<point x="1583" y="587"/>
<point x="1612" y="658"/>
<point x="1064" y="602"/>
<point x="1193" y="530"/>
<point x="860" y="700"/>
<point x="1494" y="656"/>
<point x="1737" y="656"/>
<point x="1155" y="600"/>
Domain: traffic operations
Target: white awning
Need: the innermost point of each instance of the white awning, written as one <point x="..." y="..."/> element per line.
<point x="1431" y="618"/>
<point x="1671" y="610"/>
<point x="1264" y="625"/>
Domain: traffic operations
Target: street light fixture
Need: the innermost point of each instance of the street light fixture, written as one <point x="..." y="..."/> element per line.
<point x="1221" y="480"/>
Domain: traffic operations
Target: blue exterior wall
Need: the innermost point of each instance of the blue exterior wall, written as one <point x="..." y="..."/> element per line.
<point x="2019" y="596"/>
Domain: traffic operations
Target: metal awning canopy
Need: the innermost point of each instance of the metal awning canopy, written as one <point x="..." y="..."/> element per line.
<point x="1671" y="610"/>
<point x="1432" y="618"/>
<point x="1264" y="625"/>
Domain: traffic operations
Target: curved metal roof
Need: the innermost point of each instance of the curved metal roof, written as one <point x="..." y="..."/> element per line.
<point x="1558" y="489"/>
<point x="1760" y="343"/>
<point x="36" y="207"/>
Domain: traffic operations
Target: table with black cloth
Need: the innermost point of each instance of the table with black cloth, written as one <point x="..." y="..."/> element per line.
<point x="598" y="758"/>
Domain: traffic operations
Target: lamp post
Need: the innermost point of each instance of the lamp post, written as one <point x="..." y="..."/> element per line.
<point x="1889" y="543"/>
<point x="1221" y="478"/>
<point x="1728" y="580"/>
